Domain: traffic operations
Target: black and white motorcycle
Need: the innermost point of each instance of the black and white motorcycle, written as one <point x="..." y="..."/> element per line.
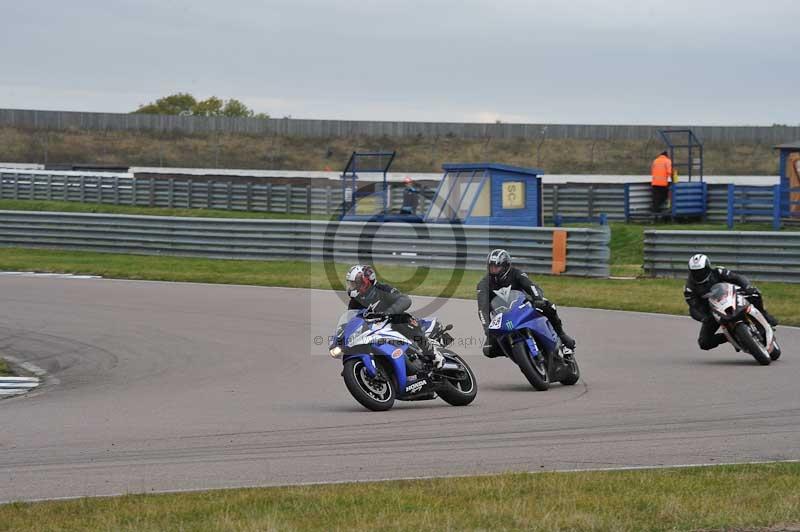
<point x="741" y="322"/>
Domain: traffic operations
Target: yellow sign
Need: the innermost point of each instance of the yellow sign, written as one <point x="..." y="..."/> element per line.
<point x="513" y="195"/>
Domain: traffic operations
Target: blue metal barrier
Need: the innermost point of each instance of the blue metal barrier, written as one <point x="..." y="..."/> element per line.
<point x="689" y="199"/>
<point x="754" y="201"/>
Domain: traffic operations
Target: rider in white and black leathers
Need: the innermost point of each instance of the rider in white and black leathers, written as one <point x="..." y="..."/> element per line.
<point x="702" y="276"/>
<point x="381" y="300"/>
<point x="501" y="274"/>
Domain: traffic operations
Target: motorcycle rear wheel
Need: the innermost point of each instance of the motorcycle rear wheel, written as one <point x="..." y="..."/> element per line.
<point x="460" y="393"/>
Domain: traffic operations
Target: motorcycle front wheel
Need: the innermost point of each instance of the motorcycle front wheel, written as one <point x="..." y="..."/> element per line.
<point x="534" y="369"/>
<point x="374" y="393"/>
<point x="750" y="344"/>
<point x="574" y="371"/>
<point x="776" y="350"/>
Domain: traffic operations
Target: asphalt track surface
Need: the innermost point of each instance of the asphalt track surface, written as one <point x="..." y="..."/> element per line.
<point x="162" y="386"/>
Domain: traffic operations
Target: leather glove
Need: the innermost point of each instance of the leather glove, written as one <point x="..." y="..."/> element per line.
<point x="749" y="291"/>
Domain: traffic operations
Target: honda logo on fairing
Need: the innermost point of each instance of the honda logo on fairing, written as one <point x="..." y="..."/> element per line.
<point x="416" y="386"/>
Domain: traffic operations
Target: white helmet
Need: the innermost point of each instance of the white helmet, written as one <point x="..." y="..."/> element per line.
<point x="359" y="279"/>
<point x="700" y="268"/>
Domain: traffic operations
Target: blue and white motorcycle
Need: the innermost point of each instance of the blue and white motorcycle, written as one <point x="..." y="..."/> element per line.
<point x="526" y="336"/>
<point x="381" y="365"/>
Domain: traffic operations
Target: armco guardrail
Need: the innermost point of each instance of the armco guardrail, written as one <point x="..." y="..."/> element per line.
<point x="760" y="255"/>
<point x="436" y="245"/>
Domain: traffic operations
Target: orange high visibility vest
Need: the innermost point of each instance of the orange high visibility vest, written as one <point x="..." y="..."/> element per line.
<point x="661" y="171"/>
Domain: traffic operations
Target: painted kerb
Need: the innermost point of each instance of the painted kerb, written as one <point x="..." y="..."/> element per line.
<point x="760" y="255"/>
<point x="433" y="245"/>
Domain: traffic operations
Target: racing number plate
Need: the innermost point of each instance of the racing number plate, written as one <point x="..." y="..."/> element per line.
<point x="496" y="321"/>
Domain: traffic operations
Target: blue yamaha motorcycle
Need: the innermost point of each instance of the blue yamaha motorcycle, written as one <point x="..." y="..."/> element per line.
<point x="527" y="337"/>
<point x="381" y="365"/>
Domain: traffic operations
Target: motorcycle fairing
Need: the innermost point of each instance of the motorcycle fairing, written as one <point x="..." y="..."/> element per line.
<point x="521" y="316"/>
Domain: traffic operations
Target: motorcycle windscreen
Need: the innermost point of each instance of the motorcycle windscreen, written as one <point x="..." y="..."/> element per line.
<point x="722" y="298"/>
<point x="504" y="298"/>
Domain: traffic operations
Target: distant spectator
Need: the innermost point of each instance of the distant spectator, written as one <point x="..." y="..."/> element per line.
<point x="661" y="173"/>
<point x="410" y="197"/>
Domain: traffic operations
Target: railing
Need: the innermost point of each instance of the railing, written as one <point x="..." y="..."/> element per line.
<point x="562" y="202"/>
<point x="435" y="245"/>
<point x="761" y="255"/>
<point x="594" y="202"/>
<point x="123" y="189"/>
<point x="754" y="201"/>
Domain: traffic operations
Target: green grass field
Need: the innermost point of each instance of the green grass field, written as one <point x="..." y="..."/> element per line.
<point x="708" y="498"/>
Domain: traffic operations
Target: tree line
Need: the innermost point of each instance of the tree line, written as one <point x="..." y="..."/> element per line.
<point x="184" y="104"/>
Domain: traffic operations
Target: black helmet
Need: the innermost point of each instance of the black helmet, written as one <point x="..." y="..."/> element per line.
<point x="700" y="268"/>
<point x="497" y="264"/>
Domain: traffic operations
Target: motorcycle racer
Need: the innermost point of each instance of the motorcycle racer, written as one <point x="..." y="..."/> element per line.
<point x="702" y="276"/>
<point x="500" y="274"/>
<point x="381" y="300"/>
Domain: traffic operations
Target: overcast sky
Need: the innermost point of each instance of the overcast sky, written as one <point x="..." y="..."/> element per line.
<point x="703" y="62"/>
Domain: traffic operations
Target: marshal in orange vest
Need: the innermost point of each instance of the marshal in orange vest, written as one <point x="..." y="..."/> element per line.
<point x="661" y="171"/>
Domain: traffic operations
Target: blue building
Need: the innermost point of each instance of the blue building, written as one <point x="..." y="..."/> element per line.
<point x="790" y="179"/>
<point x="488" y="194"/>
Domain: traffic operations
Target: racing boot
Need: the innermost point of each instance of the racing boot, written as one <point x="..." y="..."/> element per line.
<point x="490" y="350"/>
<point x="567" y="341"/>
<point x="431" y="353"/>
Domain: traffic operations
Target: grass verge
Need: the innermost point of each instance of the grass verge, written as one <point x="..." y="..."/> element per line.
<point x="4" y="371"/>
<point x="74" y="206"/>
<point x="646" y="295"/>
<point x="708" y="498"/>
